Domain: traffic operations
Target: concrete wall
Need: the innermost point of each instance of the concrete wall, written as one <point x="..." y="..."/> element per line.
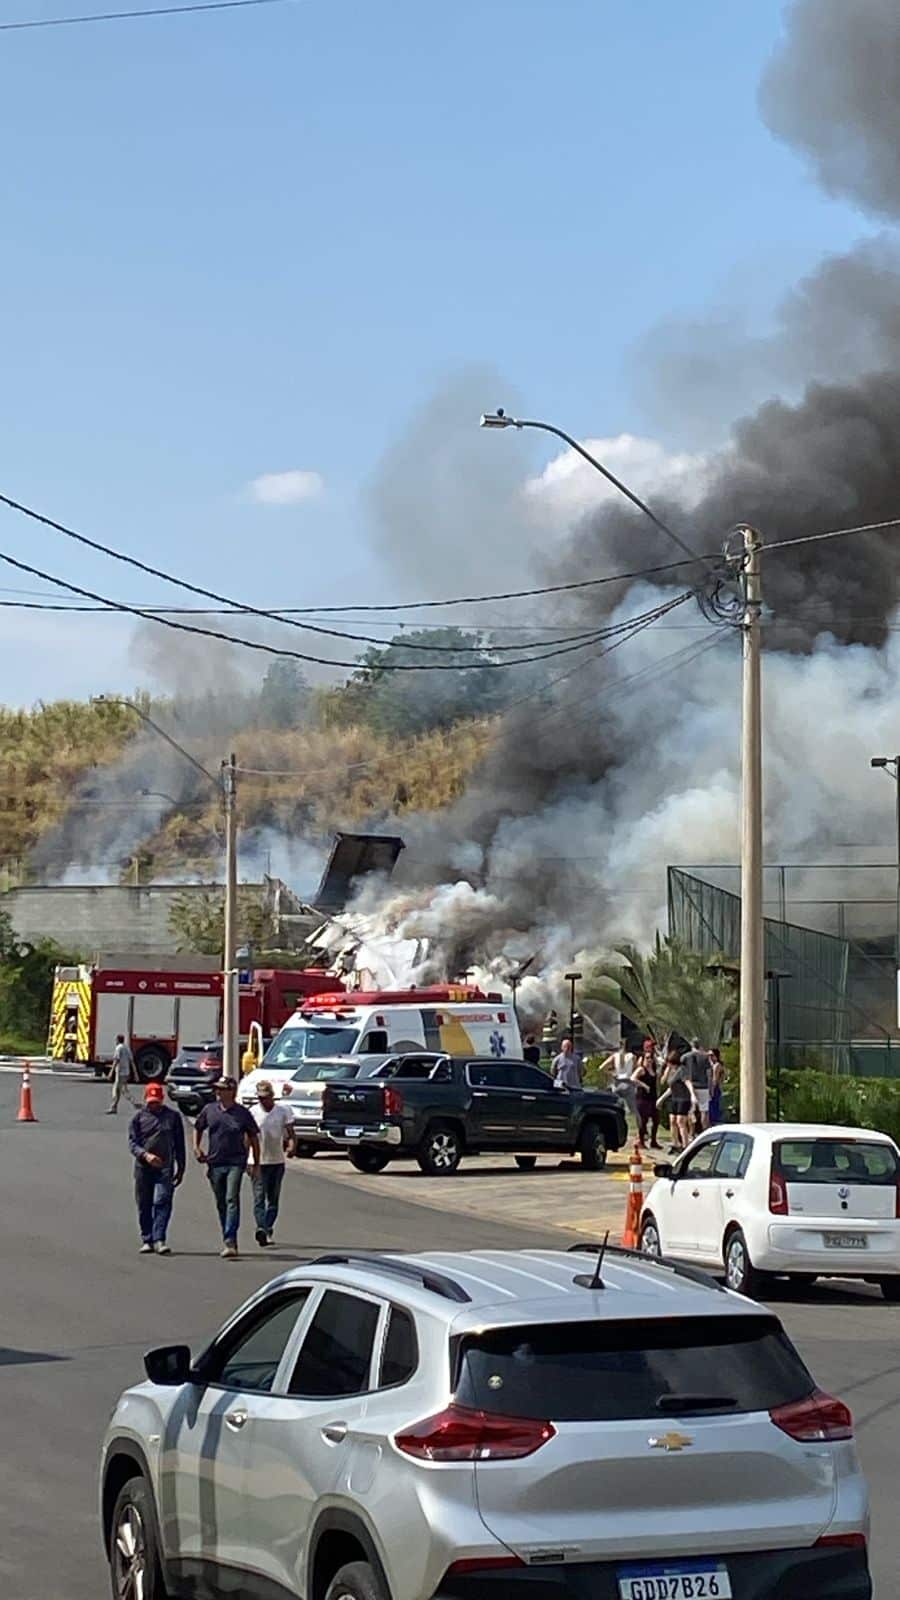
<point x="113" y="918"/>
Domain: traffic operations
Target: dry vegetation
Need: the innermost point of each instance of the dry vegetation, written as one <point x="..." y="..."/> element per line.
<point x="43" y="754"/>
<point x="328" y="778"/>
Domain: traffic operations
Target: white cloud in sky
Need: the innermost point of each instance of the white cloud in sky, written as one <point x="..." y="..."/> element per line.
<point x="569" y="486"/>
<point x="287" y="488"/>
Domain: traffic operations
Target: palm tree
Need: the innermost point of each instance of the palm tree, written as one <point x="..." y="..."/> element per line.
<point x="672" y="990"/>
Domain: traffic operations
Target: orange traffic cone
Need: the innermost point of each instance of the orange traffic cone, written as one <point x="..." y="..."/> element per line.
<point x="631" y="1236"/>
<point x="26" y="1109"/>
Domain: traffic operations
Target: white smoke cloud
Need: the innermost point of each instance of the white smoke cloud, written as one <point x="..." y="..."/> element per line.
<point x="287" y="488"/>
<point x="570" y="486"/>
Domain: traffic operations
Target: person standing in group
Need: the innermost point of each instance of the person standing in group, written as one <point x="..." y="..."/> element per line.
<point x="679" y="1089"/>
<point x="275" y="1124"/>
<point x="716" y="1080"/>
<point x="696" y="1064"/>
<point x="645" y="1084"/>
<point x="230" y="1134"/>
<point x="531" y="1050"/>
<point x="567" y="1067"/>
<point x="123" y="1072"/>
<point x="156" y="1140"/>
<point x="621" y="1065"/>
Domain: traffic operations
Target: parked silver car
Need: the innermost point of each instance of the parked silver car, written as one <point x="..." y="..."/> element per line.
<point x="470" y="1425"/>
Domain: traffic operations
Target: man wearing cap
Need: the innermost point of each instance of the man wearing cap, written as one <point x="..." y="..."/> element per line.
<point x="275" y="1121"/>
<point x="156" y="1140"/>
<point x="230" y="1134"/>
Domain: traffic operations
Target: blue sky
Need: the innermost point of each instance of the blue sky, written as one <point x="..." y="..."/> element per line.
<point x="260" y="241"/>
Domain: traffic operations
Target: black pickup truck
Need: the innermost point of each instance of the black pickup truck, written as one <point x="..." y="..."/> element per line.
<point x="439" y="1109"/>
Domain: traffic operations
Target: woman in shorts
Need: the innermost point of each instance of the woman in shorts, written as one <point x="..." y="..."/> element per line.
<point x="679" y="1091"/>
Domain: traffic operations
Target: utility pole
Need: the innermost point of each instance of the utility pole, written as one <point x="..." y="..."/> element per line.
<point x="891" y="765"/>
<point x="230" y="1017"/>
<point x="753" y="971"/>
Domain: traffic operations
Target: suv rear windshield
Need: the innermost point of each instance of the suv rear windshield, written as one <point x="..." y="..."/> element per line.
<point x="620" y="1371"/>
<point x="836" y="1161"/>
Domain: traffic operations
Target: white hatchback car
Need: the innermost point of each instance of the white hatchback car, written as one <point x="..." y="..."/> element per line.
<point x="798" y="1199"/>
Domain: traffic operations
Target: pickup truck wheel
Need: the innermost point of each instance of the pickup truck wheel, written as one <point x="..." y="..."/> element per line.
<point x="592" y="1146"/>
<point x="526" y="1163"/>
<point x="369" y="1160"/>
<point x="440" y="1152"/>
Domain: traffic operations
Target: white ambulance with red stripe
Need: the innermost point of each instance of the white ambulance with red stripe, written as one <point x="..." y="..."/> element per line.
<point x="459" y="1019"/>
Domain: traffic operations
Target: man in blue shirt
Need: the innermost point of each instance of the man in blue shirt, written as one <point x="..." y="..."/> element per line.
<point x="156" y="1140"/>
<point x="230" y="1132"/>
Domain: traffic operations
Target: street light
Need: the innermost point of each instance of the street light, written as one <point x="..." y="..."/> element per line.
<point x="224" y="785"/>
<point x="891" y="765"/>
<point x="571" y="979"/>
<point x="753" y="991"/>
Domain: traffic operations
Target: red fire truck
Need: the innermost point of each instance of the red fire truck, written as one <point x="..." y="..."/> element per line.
<point x="161" y="1006"/>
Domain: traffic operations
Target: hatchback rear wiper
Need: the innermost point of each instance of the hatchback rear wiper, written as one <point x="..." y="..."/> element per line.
<point x="695" y="1402"/>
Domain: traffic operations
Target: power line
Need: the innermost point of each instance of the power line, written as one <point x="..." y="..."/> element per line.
<point x="295" y="655"/>
<point x="638" y="624"/>
<point x="123" y="16"/>
<point x="274" y="616"/>
<point x="833" y="533"/>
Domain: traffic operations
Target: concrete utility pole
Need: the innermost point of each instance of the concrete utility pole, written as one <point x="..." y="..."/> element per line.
<point x="753" y="968"/>
<point x="230" y="1010"/>
<point x="891" y="765"/>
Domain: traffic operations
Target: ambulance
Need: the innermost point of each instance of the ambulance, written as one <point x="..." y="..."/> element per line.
<point x="457" y="1018"/>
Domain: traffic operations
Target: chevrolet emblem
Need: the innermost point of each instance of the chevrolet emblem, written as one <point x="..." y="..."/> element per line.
<point x="670" y="1442"/>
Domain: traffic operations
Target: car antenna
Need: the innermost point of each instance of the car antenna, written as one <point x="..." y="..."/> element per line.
<point x="593" y="1280"/>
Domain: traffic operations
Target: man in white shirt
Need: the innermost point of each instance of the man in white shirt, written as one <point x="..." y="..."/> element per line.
<point x="275" y="1122"/>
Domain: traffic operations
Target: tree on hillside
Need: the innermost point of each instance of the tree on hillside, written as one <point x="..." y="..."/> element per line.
<point x="197" y="921"/>
<point x="284" y="696"/>
<point x="412" y="702"/>
<point x="671" y="990"/>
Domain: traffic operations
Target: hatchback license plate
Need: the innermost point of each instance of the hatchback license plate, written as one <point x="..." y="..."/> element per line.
<point x="678" y="1580"/>
<point x="846" y="1241"/>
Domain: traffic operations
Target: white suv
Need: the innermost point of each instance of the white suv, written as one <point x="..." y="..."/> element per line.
<point x="406" y="1427"/>
<point x="798" y="1199"/>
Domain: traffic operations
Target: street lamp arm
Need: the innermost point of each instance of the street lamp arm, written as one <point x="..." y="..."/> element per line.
<point x="117" y="700"/>
<point x="501" y="420"/>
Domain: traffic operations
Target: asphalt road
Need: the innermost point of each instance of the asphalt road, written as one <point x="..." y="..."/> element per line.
<point x="79" y="1306"/>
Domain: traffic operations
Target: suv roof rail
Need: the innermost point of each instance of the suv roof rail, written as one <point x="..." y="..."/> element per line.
<point x="437" y="1282"/>
<point x="693" y="1274"/>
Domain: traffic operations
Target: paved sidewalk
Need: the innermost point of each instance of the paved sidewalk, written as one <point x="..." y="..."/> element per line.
<point x="558" y="1193"/>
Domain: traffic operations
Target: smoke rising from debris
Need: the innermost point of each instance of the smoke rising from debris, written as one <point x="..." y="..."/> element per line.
<point x="629" y="762"/>
<point x="561" y="843"/>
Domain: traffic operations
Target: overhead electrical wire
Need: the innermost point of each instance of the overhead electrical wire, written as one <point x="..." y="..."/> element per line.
<point x="296" y="655"/>
<point x="127" y="16"/>
<point x="412" y="605"/>
<point x="833" y="533"/>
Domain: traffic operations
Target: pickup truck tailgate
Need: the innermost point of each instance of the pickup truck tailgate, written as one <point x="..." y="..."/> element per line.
<point x="354" y="1104"/>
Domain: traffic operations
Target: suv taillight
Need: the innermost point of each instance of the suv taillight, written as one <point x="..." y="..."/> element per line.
<point x="459" y="1434"/>
<point x="819" y="1417"/>
<point x="393" y="1102"/>
<point x="778" y="1195"/>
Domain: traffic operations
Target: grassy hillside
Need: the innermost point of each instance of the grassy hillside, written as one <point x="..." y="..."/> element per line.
<point x="326" y="778"/>
<point x="43" y="753"/>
